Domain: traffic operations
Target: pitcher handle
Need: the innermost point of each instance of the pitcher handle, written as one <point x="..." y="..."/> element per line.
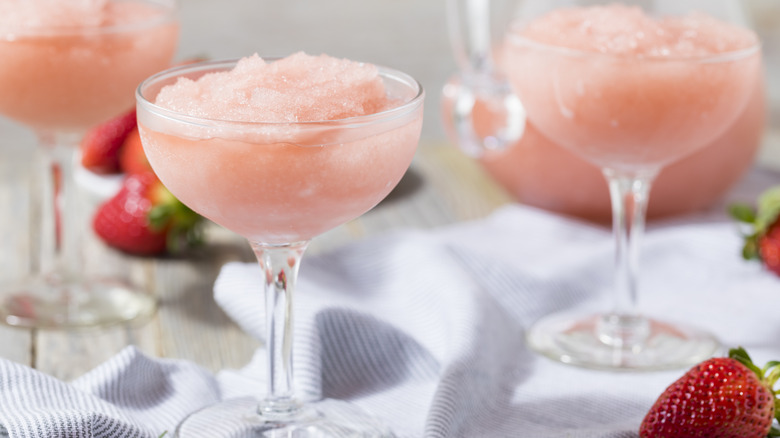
<point x="480" y="81"/>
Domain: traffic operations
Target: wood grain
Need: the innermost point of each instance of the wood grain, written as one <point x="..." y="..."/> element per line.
<point x="15" y="344"/>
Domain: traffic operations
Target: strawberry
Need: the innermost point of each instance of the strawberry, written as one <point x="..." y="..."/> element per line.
<point x="763" y="240"/>
<point x="723" y="397"/>
<point x="132" y="158"/>
<point x="769" y="247"/>
<point x="144" y="218"/>
<point x="100" y="145"/>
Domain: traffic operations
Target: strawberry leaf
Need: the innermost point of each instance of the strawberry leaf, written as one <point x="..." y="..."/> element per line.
<point x="742" y="213"/>
<point x="770" y="365"/>
<point x="760" y="221"/>
<point x="750" y="250"/>
<point x="741" y="355"/>
<point x="768" y="209"/>
<point x="159" y="216"/>
<point x="185" y="227"/>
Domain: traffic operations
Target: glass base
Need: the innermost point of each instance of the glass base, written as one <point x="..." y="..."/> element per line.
<point x="238" y="418"/>
<point x="612" y="342"/>
<point x="41" y="304"/>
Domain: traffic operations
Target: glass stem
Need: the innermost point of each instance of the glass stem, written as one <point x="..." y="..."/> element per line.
<point x="629" y="191"/>
<point x="280" y="265"/>
<point x="56" y="244"/>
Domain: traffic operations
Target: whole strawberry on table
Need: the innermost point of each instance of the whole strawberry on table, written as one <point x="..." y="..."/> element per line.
<point x="763" y="241"/>
<point x="723" y="397"/>
<point x="143" y="217"/>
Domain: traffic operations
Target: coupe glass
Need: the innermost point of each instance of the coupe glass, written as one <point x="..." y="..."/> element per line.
<point x="279" y="185"/>
<point x="630" y="114"/>
<point x="60" y="81"/>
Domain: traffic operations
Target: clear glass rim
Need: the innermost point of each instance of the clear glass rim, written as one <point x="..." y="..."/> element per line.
<point x="401" y="110"/>
<point x="170" y="15"/>
<point x="729" y="56"/>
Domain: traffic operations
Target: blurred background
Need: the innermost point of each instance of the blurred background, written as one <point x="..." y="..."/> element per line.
<point x="766" y="21"/>
<point x="409" y="35"/>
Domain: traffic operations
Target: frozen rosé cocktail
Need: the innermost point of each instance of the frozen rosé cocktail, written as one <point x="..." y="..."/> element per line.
<point x="279" y="160"/>
<point x="623" y="89"/>
<point x="280" y="152"/>
<point x="67" y="65"/>
<point x="630" y="91"/>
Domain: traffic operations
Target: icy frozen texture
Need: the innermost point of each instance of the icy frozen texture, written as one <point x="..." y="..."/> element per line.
<point x="36" y="14"/>
<point x="294" y="89"/>
<point x="627" y="30"/>
<point x="664" y="89"/>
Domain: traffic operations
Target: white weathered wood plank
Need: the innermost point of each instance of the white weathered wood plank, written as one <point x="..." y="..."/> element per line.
<point x="463" y="185"/>
<point x="15" y="344"/>
<point x="68" y="354"/>
<point x="769" y="154"/>
<point x="187" y="324"/>
<point x="191" y="324"/>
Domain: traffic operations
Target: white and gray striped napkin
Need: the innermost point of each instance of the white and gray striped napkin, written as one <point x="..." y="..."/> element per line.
<point x="425" y="330"/>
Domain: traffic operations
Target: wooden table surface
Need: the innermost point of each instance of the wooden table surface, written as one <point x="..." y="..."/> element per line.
<point x="442" y="187"/>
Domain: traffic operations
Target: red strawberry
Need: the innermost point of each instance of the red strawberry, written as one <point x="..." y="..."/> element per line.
<point x="132" y="158"/>
<point x="144" y="218"/>
<point x="100" y="145"/>
<point x="769" y="247"/>
<point x="725" y="397"/>
<point x="763" y="241"/>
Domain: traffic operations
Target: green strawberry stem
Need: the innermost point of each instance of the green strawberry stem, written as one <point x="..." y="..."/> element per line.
<point x="183" y="224"/>
<point x="743" y="357"/>
<point x="743" y="213"/>
<point x="768" y="208"/>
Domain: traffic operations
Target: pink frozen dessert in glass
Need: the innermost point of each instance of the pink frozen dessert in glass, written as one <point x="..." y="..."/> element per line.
<point x="630" y="102"/>
<point x="280" y="152"/>
<point x="630" y="91"/>
<point x="68" y="65"/>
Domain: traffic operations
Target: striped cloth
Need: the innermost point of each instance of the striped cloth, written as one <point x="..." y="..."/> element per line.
<point x="425" y="330"/>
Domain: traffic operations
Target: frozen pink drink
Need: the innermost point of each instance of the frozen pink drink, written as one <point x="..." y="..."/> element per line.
<point x="282" y="156"/>
<point x="67" y="64"/>
<point x="628" y="91"/>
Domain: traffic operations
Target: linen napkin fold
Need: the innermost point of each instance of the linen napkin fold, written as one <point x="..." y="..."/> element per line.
<point x="425" y="330"/>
